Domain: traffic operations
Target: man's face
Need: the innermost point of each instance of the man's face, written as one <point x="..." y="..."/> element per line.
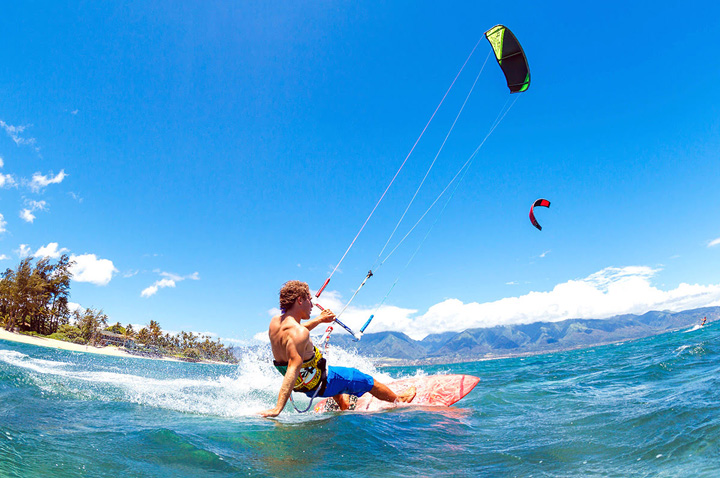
<point x="307" y="304"/>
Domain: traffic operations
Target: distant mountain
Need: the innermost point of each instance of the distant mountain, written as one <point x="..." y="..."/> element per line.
<point x="522" y="339"/>
<point x="385" y="344"/>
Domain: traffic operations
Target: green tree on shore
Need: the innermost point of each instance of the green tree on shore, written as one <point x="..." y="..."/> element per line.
<point x="129" y="332"/>
<point x="90" y="322"/>
<point x="35" y="297"/>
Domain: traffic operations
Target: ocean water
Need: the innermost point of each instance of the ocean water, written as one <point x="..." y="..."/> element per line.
<point x="649" y="407"/>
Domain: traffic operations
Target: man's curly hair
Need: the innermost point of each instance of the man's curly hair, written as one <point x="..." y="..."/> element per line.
<point x="291" y="291"/>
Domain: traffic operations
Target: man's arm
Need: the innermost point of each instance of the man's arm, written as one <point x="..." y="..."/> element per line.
<point x="293" y="370"/>
<point x="326" y="316"/>
<point x="291" y="374"/>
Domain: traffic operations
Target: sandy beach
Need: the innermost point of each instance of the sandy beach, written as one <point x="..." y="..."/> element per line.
<point x="59" y="344"/>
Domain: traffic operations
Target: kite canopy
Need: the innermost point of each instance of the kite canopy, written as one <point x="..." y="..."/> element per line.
<point x="511" y="58"/>
<point x="539" y="202"/>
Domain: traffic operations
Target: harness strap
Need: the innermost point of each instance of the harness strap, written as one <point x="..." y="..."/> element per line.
<point x="317" y="390"/>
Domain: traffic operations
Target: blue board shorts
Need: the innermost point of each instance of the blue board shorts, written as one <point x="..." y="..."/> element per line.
<point x="346" y="380"/>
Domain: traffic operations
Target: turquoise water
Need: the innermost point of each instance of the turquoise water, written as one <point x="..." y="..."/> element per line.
<point x="649" y="407"/>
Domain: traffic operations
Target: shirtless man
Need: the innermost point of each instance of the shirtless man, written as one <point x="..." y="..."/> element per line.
<point x="302" y="363"/>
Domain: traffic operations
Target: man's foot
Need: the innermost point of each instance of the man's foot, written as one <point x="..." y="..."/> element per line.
<point x="407" y="395"/>
<point x="331" y="405"/>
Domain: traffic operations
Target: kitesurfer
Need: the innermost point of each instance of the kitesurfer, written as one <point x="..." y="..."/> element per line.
<point x="703" y="322"/>
<point x="302" y="363"/>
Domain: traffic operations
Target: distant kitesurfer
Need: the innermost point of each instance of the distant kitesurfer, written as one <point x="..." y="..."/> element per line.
<point x="703" y="322"/>
<point x="302" y="363"/>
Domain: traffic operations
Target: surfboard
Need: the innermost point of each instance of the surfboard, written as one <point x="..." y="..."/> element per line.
<point x="433" y="390"/>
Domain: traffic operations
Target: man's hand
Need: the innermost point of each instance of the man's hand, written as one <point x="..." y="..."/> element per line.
<point x="326" y="316"/>
<point x="273" y="412"/>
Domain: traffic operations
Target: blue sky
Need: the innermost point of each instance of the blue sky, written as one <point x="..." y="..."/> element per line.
<point x="194" y="157"/>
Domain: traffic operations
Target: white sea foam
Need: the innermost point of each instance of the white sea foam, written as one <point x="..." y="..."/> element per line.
<point x="236" y="395"/>
<point x="253" y="386"/>
<point x="20" y="359"/>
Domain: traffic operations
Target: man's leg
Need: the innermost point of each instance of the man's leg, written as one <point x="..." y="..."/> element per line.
<point x="383" y="392"/>
<point x="342" y="380"/>
<point x="342" y="400"/>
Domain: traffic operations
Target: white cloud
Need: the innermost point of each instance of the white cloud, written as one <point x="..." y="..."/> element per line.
<point x="2" y="162"/>
<point x="51" y="250"/>
<point x="23" y="251"/>
<point x="75" y="196"/>
<point x="160" y="284"/>
<point x="88" y="268"/>
<point x="169" y="280"/>
<point x="15" y="131"/>
<point x="39" y="181"/>
<point x="73" y="306"/>
<point x="3" y="257"/>
<point x="609" y="292"/>
<point x="212" y="335"/>
<point x="179" y="278"/>
<point x="544" y="254"/>
<point x="27" y="213"/>
<point x="7" y="181"/>
<point x="260" y="337"/>
<point x="233" y="342"/>
<point x="3" y="224"/>
<point x="714" y="242"/>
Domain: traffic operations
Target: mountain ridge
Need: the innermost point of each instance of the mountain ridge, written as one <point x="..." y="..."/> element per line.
<point x="481" y="343"/>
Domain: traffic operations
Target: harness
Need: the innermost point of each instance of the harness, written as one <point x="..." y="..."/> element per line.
<point x="313" y="373"/>
<point x="312" y="377"/>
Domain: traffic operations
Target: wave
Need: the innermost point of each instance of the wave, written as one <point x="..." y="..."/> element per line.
<point x="210" y="390"/>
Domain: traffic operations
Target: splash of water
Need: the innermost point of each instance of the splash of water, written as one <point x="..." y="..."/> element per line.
<point x="239" y="391"/>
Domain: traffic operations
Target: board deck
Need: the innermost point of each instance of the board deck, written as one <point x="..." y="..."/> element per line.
<point x="433" y="390"/>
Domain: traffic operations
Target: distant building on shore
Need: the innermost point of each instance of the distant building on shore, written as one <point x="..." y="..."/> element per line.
<point x="111" y="338"/>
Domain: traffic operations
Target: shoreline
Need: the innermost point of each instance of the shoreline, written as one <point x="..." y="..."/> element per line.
<point x="60" y="344"/>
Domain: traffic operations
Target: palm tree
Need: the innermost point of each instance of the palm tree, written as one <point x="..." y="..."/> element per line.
<point x="90" y="322"/>
<point x="154" y="332"/>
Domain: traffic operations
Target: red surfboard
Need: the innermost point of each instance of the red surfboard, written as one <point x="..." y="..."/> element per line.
<point x="433" y="390"/>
